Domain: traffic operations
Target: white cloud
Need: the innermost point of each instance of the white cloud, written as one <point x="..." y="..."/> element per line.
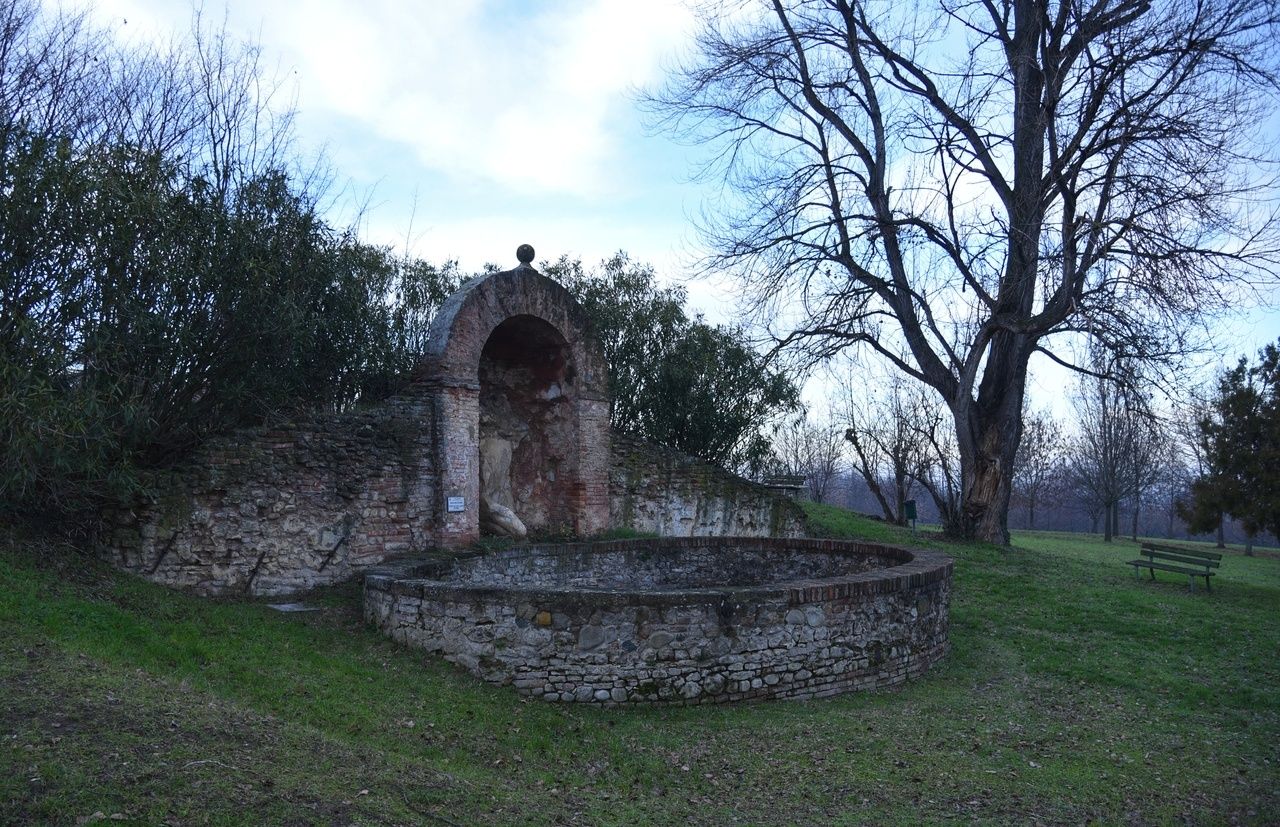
<point x="513" y="99"/>
<point x="526" y="103"/>
<point x="527" y="96"/>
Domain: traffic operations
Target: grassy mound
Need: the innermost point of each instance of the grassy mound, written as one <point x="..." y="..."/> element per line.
<point x="1074" y="693"/>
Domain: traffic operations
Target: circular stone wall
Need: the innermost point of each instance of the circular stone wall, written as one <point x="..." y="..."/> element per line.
<point x="674" y="620"/>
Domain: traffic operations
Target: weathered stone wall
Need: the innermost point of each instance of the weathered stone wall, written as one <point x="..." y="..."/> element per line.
<point x="662" y="491"/>
<point x="658" y="565"/>
<point x="298" y="505"/>
<point x="288" y="508"/>
<point x="806" y="637"/>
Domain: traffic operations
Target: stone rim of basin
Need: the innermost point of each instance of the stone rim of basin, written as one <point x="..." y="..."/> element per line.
<point x="429" y="572"/>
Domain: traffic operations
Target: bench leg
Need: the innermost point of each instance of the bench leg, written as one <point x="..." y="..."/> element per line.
<point x="1191" y="582"/>
<point x="1207" y="585"/>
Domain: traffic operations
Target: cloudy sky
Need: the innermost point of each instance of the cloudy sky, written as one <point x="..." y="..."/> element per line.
<point x="472" y="126"/>
<point x="469" y="127"/>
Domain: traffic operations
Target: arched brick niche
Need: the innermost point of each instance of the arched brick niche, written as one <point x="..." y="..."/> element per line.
<point x="510" y="358"/>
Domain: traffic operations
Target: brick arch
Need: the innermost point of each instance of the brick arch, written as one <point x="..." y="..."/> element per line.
<point x="451" y="370"/>
<point x="466" y="319"/>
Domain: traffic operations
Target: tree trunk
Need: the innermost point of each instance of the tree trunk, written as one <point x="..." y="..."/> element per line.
<point x="1221" y="532"/>
<point x="989" y="425"/>
<point x="1134" y="526"/>
<point x="987" y="487"/>
<point x="988" y="432"/>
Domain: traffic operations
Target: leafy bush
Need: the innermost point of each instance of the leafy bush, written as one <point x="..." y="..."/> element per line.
<point x="676" y="380"/>
<point x="154" y="290"/>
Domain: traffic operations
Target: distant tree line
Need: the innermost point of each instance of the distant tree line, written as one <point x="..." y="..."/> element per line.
<point x="1117" y="466"/>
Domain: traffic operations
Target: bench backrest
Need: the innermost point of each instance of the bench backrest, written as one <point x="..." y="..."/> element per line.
<point x="1178" y="554"/>
<point x="1183" y="550"/>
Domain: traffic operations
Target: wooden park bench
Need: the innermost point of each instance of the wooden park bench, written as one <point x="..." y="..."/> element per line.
<point x="1189" y="561"/>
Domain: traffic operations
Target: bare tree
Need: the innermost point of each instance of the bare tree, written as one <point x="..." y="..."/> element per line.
<point x="1171" y="487"/>
<point x="1117" y="453"/>
<point x="811" y="450"/>
<point x="51" y="73"/>
<point x="206" y="99"/>
<point x="995" y="179"/>
<point x="1145" y="466"/>
<point x="1038" y="461"/>
<point x="940" y="474"/>
<point x="902" y="442"/>
<point x="887" y="453"/>
<point x="1098" y="451"/>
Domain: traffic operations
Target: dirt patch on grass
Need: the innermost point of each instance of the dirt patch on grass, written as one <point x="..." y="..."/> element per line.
<point x="80" y="737"/>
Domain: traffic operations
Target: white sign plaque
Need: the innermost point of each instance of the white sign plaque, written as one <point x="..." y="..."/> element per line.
<point x="457" y="505"/>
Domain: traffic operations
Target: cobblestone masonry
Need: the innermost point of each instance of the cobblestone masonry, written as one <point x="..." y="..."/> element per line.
<point x="288" y="508"/>
<point x="303" y="504"/>
<point x="830" y="623"/>
<point x="659" y="490"/>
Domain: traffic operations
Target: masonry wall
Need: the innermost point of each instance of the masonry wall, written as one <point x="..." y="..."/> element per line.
<point x="287" y="508"/>
<point x="652" y="642"/>
<point x="309" y="503"/>
<point x="662" y="491"/>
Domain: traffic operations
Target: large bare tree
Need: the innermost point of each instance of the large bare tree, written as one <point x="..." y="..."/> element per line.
<point x="960" y="185"/>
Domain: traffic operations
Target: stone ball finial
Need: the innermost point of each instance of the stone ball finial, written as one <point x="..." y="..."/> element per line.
<point x="524" y="253"/>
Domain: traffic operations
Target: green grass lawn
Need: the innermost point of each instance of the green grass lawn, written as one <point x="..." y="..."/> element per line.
<point x="1074" y="693"/>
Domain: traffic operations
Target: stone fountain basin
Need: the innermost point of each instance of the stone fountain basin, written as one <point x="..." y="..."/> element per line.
<point x="674" y="620"/>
